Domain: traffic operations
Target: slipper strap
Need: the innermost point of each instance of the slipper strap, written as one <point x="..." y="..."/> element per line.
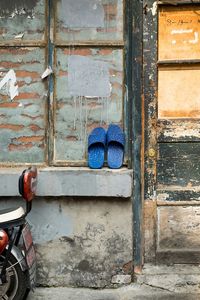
<point x="97" y="138"/>
<point x="116" y="137"/>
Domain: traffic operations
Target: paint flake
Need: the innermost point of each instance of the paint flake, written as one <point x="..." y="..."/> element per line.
<point x="47" y="72"/>
<point x="19" y="36"/>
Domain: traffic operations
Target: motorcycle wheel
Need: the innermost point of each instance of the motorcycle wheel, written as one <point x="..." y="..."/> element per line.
<point x="16" y="286"/>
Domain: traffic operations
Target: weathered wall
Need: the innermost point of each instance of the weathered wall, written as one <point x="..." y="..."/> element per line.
<point x="80" y="242"/>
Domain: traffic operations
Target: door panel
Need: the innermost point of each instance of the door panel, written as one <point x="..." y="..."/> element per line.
<point x="179" y="164"/>
<point x="178" y="92"/>
<point x="179" y="32"/>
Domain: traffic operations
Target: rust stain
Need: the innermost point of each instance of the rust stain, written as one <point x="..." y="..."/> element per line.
<point x="128" y="267"/>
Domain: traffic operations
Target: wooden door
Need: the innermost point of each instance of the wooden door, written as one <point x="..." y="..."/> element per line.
<point x="173" y="135"/>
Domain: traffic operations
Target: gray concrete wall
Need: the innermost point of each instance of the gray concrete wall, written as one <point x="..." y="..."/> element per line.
<point x="81" y="242"/>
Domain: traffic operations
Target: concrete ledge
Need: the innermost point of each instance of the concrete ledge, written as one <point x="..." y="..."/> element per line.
<point x="67" y="181"/>
<point x="132" y="292"/>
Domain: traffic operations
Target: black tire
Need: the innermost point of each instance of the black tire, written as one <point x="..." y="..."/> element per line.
<point x="17" y="285"/>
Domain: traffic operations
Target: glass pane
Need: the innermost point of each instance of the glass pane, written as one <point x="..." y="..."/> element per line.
<point x="89" y="88"/>
<point x="22" y="120"/>
<point x="89" y="20"/>
<point x="179" y="33"/>
<point x="22" y="20"/>
<point x="179" y="93"/>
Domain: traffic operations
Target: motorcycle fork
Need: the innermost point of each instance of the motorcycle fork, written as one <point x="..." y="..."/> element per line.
<point x="13" y="239"/>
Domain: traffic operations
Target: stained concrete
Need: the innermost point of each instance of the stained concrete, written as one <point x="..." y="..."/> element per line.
<point x="132" y="292"/>
<point x="80" y="242"/>
<point x="176" y="282"/>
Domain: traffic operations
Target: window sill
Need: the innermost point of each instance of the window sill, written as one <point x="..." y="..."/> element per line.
<point x="68" y="181"/>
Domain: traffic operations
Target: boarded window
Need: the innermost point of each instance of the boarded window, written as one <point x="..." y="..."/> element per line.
<point x="23" y="95"/>
<point x="48" y="121"/>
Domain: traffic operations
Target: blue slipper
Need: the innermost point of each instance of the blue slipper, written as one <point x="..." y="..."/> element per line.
<point x="115" y="143"/>
<point x="96" y="148"/>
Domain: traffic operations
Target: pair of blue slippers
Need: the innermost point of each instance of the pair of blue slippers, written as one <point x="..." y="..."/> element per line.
<point x="100" y="141"/>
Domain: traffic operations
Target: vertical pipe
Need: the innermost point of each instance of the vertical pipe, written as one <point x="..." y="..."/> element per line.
<point x="50" y="81"/>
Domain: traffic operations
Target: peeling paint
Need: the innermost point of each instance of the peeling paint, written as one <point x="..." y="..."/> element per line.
<point x="181" y="31"/>
<point x="16" y="8"/>
<point x="154" y="8"/>
<point x="196" y="38"/>
<point x="11" y="80"/>
<point x="47" y="72"/>
<point x="21" y="16"/>
<point x="19" y="36"/>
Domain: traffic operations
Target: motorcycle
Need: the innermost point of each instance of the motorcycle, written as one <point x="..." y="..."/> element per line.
<point x="17" y="254"/>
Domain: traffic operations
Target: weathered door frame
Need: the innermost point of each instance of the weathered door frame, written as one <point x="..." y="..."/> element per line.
<point x="134" y="70"/>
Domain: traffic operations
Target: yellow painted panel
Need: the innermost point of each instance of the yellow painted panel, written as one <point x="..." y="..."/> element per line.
<point x="179" y="93"/>
<point x="179" y="33"/>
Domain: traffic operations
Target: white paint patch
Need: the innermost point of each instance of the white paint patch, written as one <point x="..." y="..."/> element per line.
<point x="196" y="38"/>
<point x="173" y="42"/>
<point x="181" y="31"/>
<point x="10" y="80"/>
<point x="154" y="8"/>
<point x="88" y="77"/>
